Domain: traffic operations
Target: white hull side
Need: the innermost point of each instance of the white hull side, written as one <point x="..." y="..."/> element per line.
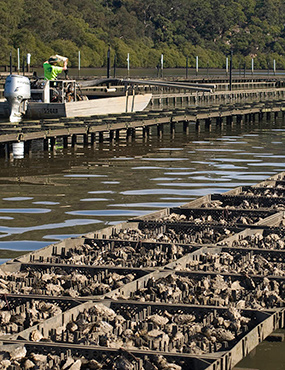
<point x="38" y="110"/>
<point x="107" y="106"/>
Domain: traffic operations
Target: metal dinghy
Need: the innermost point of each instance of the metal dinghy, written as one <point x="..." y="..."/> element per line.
<point x="113" y="105"/>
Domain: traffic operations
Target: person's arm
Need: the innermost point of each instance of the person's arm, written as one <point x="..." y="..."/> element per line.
<point x="65" y="65"/>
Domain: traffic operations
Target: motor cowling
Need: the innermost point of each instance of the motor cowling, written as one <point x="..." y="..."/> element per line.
<point x="17" y="91"/>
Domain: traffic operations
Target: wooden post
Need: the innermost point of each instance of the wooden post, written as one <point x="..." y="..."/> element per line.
<point x="111" y="135"/>
<point x="197" y="125"/>
<point x="159" y="130"/>
<point x="145" y="131"/>
<point x="73" y="140"/>
<point x="23" y="67"/>
<point x="52" y="143"/>
<point x="45" y="144"/>
<point x="108" y="62"/>
<point x="172" y="128"/>
<point x="101" y="137"/>
<point x="85" y="139"/>
<point x="130" y="133"/>
<point x="208" y="122"/>
<point x="115" y="62"/>
<point x="93" y="138"/>
<point x="65" y="141"/>
<point x="28" y="147"/>
<point x="231" y="67"/>
<point x="7" y="150"/>
<point x="79" y="62"/>
<point x="11" y="65"/>
<point x="186" y="127"/>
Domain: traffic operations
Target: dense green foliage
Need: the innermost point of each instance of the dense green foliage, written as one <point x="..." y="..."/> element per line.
<point x="145" y="29"/>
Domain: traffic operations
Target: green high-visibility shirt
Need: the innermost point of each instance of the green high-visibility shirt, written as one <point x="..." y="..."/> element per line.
<point x="51" y="71"/>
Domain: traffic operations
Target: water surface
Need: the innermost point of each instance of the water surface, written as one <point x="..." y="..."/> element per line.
<point x="71" y="191"/>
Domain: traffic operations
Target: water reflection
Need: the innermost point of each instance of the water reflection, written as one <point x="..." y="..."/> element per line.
<point x="24" y="210"/>
<point x="24" y="245"/>
<point x="8" y="231"/>
<point x="113" y="182"/>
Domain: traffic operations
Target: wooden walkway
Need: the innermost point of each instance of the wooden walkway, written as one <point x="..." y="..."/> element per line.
<point x="167" y="109"/>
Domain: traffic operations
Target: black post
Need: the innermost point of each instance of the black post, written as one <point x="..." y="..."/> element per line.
<point x="108" y="63"/>
<point x="11" y="67"/>
<point x="231" y="70"/>
<point x="23" y="67"/>
<point x="186" y="67"/>
<point x="115" y="62"/>
<point x="244" y="70"/>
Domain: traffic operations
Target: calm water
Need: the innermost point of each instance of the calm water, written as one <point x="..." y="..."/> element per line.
<point x="52" y="195"/>
<point x="48" y="196"/>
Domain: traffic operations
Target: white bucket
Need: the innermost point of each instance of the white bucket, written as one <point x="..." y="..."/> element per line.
<point x="18" y="150"/>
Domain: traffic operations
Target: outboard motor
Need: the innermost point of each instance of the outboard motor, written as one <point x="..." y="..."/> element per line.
<point x="17" y="90"/>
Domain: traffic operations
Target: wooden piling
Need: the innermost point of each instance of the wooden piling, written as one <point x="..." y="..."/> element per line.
<point x="101" y="137"/>
<point x="73" y="140"/>
<point x="186" y="127"/>
<point x="93" y="139"/>
<point x="85" y="139"/>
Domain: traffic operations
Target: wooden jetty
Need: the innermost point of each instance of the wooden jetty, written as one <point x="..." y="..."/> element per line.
<point x="167" y="111"/>
<point x="191" y="287"/>
<point x="171" y="106"/>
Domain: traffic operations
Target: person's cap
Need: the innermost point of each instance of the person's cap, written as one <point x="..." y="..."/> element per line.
<point x="53" y="59"/>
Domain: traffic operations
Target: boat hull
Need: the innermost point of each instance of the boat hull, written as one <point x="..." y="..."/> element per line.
<point x="84" y="108"/>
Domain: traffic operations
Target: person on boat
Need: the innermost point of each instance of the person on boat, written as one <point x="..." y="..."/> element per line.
<point x="52" y="69"/>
